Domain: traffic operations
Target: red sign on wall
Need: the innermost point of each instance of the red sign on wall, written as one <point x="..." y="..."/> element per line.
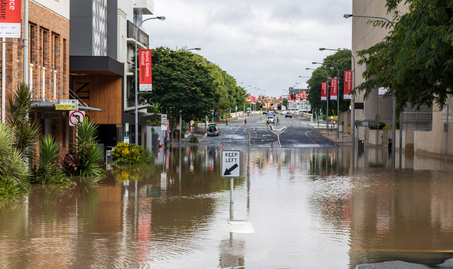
<point x="323" y="91"/>
<point x="146" y="78"/>
<point x="10" y="18"/>
<point x="333" y="89"/>
<point x="304" y="95"/>
<point x="347" y="84"/>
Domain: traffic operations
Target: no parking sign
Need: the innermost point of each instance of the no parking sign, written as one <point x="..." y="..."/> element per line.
<point x="76" y="117"/>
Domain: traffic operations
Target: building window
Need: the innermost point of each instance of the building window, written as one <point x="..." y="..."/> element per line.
<point x="45" y="47"/>
<point x="56" y="51"/>
<point x="32" y="50"/>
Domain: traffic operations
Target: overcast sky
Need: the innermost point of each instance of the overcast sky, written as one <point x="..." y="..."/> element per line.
<point x="263" y="43"/>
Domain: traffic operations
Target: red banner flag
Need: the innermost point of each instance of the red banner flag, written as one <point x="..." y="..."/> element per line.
<point x="297" y="97"/>
<point x="280" y="98"/>
<point x="333" y="88"/>
<point x="146" y="78"/>
<point x="347" y="84"/>
<point x="259" y="98"/>
<point x="248" y="97"/>
<point x="304" y="95"/>
<point x="10" y="18"/>
<point x="323" y="91"/>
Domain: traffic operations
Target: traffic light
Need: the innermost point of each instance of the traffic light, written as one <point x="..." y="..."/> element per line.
<point x="279" y="107"/>
<point x="261" y="105"/>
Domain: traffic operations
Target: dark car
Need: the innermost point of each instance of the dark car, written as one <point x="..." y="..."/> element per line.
<point x="264" y="112"/>
<point x="288" y="115"/>
<point x="213" y="130"/>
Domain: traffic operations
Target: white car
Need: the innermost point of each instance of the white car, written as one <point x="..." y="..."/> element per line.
<point x="271" y="119"/>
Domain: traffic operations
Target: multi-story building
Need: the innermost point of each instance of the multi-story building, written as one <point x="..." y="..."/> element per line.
<point x="431" y="141"/>
<point x="48" y="66"/>
<point x="102" y="46"/>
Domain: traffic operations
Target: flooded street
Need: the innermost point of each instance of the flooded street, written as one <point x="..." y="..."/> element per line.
<point x="305" y="207"/>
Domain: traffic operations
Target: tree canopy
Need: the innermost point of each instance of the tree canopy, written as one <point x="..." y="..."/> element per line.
<point x="189" y="85"/>
<point x="415" y="60"/>
<point x="342" y="60"/>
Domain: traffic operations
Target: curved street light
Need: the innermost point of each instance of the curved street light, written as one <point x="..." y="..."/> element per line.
<point x="161" y="18"/>
<point x="353" y="96"/>
<point x="347" y="16"/>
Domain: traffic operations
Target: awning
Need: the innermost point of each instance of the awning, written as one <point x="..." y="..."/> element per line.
<point x="46" y="105"/>
<point x="132" y="108"/>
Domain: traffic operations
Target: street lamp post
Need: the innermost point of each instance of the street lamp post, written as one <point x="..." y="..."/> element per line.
<point x="246" y="91"/>
<point x="338" y="94"/>
<point x="353" y="104"/>
<point x="136" y="90"/>
<point x="347" y="16"/>
<point x="327" y="97"/>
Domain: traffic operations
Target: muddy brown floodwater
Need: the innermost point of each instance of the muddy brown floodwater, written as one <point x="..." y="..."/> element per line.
<point x="302" y="209"/>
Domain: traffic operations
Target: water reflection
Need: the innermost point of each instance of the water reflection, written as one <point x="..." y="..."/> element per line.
<point x="306" y="208"/>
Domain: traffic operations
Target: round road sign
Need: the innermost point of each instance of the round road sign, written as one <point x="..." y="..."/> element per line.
<point x="76" y="118"/>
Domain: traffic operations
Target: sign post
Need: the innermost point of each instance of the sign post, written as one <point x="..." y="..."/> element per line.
<point x="231" y="168"/>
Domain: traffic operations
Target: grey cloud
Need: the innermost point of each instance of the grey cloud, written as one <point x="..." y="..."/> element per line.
<point x="231" y="15"/>
<point x="290" y="13"/>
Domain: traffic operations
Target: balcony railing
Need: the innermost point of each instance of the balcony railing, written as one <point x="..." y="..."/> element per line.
<point x="142" y="37"/>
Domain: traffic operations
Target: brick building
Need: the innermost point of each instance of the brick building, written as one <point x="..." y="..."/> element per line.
<point x="48" y="65"/>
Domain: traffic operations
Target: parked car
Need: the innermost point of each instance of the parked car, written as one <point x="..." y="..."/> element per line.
<point x="213" y="130"/>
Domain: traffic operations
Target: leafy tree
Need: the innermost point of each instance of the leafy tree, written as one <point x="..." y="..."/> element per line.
<point x="181" y="85"/>
<point x="414" y="60"/>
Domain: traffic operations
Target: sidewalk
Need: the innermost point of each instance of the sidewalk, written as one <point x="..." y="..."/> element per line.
<point x="344" y="140"/>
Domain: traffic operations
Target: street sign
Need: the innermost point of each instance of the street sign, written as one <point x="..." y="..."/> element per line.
<point x="383" y="91"/>
<point x="446" y="113"/>
<point x="65" y="107"/>
<point x="66" y="104"/>
<point x="163" y="119"/>
<point x="365" y="123"/>
<point x="444" y="118"/>
<point x="76" y="118"/>
<point x="231" y="164"/>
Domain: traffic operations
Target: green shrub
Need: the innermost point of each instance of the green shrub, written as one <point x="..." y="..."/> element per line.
<point x="125" y="153"/>
<point x="88" y="152"/>
<point x="193" y="139"/>
<point x="10" y="186"/>
<point x="11" y="160"/>
<point x="48" y="172"/>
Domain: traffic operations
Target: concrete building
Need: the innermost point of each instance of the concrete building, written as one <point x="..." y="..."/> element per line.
<point x="102" y="45"/>
<point x="431" y="142"/>
<point x="48" y="66"/>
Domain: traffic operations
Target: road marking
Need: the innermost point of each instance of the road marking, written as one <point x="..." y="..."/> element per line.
<point x="221" y="133"/>
<point x="310" y="137"/>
